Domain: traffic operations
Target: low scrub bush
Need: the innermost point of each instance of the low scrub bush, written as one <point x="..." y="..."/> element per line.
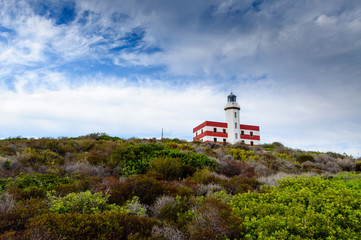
<point x="26" y="193"/>
<point x="83" y="202"/>
<point x="7" y="203"/>
<point x="347" y="164"/>
<point x="167" y="232"/>
<point x="358" y="166"/>
<point x="108" y="225"/>
<point x="302" y="208"/>
<point x="237" y="185"/>
<point x="43" y="181"/>
<point x="243" y="155"/>
<point x="32" y="157"/>
<point x="213" y="220"/>
<point x="171" y="168"/>
<point x="17" y="217"/>
<point x="175" y="212"/>
<point x="232" y="168"/>
<point x="134" y="159"/>
<point x="146" y="188"/>
<point x="304" y="158"/>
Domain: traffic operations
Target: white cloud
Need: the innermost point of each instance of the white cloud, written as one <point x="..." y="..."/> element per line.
<point x="324" y="20"/>
<point x="115" y="109"/>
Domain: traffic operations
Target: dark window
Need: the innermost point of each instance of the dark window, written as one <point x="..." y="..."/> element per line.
<point x="251" y="133"/>
<point x="214" y="130"/>
<point x="242" y="133"/>
<point x="224" y="140"/>
<point x="235" y="114"/>
<point x="242" y="141"/>
<point x="251" y="143"/>
<point x="202" y="131"/>
<point x="236" y="136"/>
<point x="224" y="131"/>
<point x="215" y="140"/>
<point x="235" y="125"/>
<point x="196" y="134"/>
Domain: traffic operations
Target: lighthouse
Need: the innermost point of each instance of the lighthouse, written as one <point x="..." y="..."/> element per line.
<point x="230" y="131"/>
<point x="232" y="119"/>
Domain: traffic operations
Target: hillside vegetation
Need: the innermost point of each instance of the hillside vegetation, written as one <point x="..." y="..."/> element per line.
<point x="103" y="187"/>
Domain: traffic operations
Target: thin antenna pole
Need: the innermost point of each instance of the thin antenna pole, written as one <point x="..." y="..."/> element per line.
<point x="162" y="134"/>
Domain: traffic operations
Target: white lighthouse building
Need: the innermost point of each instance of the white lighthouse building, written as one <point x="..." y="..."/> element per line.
<point x="229" y="132"/>
<point x="232" y="119"/>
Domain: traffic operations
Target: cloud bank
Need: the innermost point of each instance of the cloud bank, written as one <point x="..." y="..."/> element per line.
<point x="130" y="68"/>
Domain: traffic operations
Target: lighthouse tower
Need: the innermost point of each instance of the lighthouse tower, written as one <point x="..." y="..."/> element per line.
<point x="232" y="119"/>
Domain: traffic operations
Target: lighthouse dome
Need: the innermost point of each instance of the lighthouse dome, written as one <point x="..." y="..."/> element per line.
<point x="231" y="97"/>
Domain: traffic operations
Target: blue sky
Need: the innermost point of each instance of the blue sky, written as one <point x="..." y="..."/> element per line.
<point x="132" y="67"/>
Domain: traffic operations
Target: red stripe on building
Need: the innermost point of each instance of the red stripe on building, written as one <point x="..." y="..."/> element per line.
<point x="248" y="137"/>
<point x="212" y="134"/>
<point x="210" y="124"/>
<point x="249" y="127"/>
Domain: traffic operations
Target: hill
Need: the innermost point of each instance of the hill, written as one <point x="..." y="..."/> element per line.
<point x="103" y="187"/>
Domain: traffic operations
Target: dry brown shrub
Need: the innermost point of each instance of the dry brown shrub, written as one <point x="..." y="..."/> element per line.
<point x="213" y="220"/>
<point x="167" y="232"/>
<point x="260" y="169"/>
<point x="159" y="204"/>
<point x="347" y="164"/>
<point x="7" y="203"/>
<point x="232" y="168"/>
<point x="83" y="168"/>
<point x="204" y="189"/>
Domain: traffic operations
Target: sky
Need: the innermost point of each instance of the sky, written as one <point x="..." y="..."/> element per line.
<point x="129" y="68"/>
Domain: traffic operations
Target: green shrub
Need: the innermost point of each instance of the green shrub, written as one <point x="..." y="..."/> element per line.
<point x="202" y="176"/>
<point x="4" y="182"/>
<point x="176" y="212"/>
<point x="305" y="157"/>
<point x="358" y="166"/>
<point x="44" y="181"/>
<point x="146" y="188"/>
<point x="302" y="208"/>
<point x="243" y="155"/>
<point x="27" y="193"/>
<point x="83" y="202"/>
<point x="32" y="156"/>
<point x="108" y="225"/>
<point x="134" y="159"/>
<point x="171" y="168"/>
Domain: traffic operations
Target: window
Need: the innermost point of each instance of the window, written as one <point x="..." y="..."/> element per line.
<point x="202" y="131"/>
<point x="224" y="140"/>
<point x="196" y="134"/>
<point x="242" y="133"/>
<point x="251" y="134"/>
<point x="242" y="141"/>
<point x="215" y="140"/>
<point x="235" y="114"/>
<point x="251" y="143"/>
<point x="224" y="131"/>
<point x="235" y="125"/>
<point x="236" y="136"/>
<point x="214" y="130"/>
